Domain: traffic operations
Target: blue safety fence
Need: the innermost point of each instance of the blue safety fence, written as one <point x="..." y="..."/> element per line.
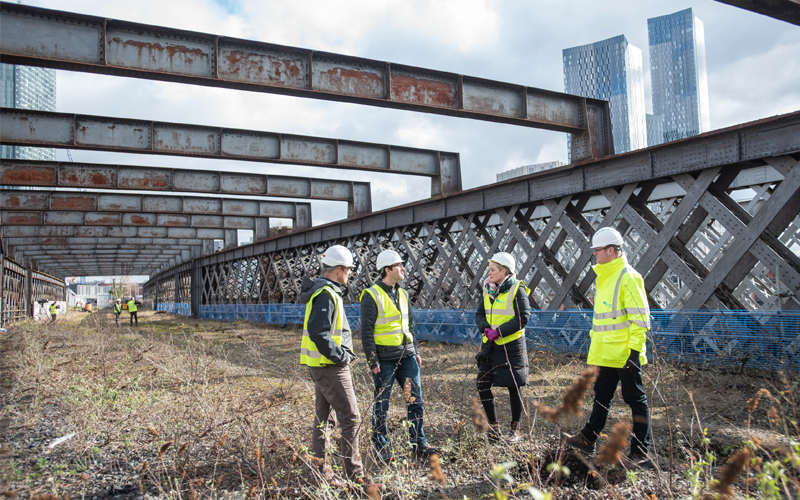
<point x="181" y="308"/>
<point x="754" y="339"/>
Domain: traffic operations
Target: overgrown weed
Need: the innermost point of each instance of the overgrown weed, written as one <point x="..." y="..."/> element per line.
<point x="185" y="408"/>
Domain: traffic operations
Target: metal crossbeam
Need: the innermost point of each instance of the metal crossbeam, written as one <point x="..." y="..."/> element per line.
<point x="69" y="208"/>
<point x="115" y="232"/>
<point x="136" y="178"/>
<point x="22" y="127"/>
<point x="39" y="37"/>
<point x="785" y="10"/>
<point x="711" y="221"/>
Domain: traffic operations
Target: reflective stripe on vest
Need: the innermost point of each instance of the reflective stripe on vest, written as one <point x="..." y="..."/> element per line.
<point x="309" y="354"/>
<point x="391" y="325"/>
<point x="598" y="323"/>
<point x="132" y="306"/>
<point x="497" y="315"/>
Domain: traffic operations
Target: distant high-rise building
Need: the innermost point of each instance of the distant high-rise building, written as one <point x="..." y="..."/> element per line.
<point x="655" y="129"/>
<point x="678" y="74"/>
<point x="528" y="169"/>
<point x="612" y="70"/>
<point x="25" y="87"/>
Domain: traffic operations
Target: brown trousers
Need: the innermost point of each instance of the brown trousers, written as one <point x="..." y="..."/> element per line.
<point x="336" y="399"/>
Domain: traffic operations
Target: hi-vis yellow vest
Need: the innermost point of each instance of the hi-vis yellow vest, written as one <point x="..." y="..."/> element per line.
<point x="309" y="355"/>
<point x="117" y="308"/>
<point x="53" y="309"/>
<point x="621" y="315"/>
<point x="132" y="306"/>
<point x="392" y="324"/>
<point x="502" y="311"/>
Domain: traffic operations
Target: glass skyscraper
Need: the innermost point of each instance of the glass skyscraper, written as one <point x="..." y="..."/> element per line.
<point x="612" y="70"/>
<point x="27" y="88"/>
<point x="528" y="169"/>
<point x="678" y="75"/>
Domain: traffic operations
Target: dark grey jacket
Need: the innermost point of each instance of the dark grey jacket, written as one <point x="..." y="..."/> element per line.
<point x="321" y="318"/>
<point x="369" y="314"/>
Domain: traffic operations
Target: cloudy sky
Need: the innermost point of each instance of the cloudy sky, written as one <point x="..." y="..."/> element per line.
<point x="753" y="70"/>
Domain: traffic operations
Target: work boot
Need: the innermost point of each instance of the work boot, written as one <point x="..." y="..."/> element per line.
<point x="425" y="450"/>
<point x="635" y="461"/>
<point x="579" y="442"/>
<point x="493" y="433"/>
<point x="384" y="454"/>
<point x="514" y="437"/>
<point x="372" y="490"/>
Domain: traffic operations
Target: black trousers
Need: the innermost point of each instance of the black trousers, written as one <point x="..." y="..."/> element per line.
<point x="632" y="393"/>
<point x="134" y="317"/>
<point x="487" y="398"/>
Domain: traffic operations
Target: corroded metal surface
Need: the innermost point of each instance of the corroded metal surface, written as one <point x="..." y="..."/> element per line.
<point x="135" y="178"/>
<point x="39" y="37"/>
<point x="23" y="127"/>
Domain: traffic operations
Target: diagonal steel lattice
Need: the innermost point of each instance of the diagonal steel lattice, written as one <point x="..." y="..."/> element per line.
<point x="724" y="237"/>
<point x="22" y="289"/>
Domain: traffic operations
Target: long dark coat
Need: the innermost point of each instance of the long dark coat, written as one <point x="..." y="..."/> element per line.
<point x="493" y="360"/>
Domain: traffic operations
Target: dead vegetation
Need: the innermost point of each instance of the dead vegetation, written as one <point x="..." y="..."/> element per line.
<point x="182" y="408"/>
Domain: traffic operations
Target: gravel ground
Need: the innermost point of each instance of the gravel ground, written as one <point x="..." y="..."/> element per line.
<point x="184" y="408"/>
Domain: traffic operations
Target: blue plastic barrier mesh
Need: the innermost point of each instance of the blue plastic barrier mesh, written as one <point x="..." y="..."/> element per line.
<point x="175" y="308"/>
<point x="755" y="339"/>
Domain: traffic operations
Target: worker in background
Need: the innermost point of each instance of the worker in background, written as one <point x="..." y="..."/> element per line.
<point x="503" y="358"/>
<point x="132" y="310"/>
<point x="387" y="336"/>
<point x="619" y="330"/>
<point x="327" y="350"/>
<point x="118" y="311"/>
<point x="53" y="311"/>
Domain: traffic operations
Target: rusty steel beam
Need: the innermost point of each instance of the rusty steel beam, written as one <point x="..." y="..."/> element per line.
<point x="136" y="178"/>
<point x="113" y="248"/>
<point x="784" y="10"/>
<point x="67" y="241"/>
<point x="40" y="37"/>
<point x="22" y="127"/>
<point x="36" y="252"/>
<point x="81" y="208"/>
<point x="21" y="231"/>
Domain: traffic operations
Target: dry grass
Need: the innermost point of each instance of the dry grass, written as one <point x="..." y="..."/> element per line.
<point x="193" y="409"/>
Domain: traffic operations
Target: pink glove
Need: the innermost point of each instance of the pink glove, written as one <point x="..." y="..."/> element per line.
<point x="491" y="334"/>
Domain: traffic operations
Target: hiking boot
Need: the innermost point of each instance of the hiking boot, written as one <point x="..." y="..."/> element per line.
<point x="580" y="442"/>
<point x="425" y="450"/>
<point x="635" y="461"/>
<point x="493" y="433"/>
<point x="514" y="436"/>
<point x="384" y="454"/>
<point x="372" y="490"/>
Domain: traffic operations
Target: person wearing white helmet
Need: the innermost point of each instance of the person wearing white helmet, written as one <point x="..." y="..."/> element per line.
<point x="618" y="335"/>
<point x="387" y="336"/>
<point x="117" y="311"/>
<point x="327" y="350"/>
<point x="503" y="359"/>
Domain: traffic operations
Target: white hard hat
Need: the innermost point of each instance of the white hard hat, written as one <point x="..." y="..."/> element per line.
<point x="505" y="259"/>
<point x="337" y="255"/>
<point x="606" y="236"/>
<point x="388" y="258"/>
